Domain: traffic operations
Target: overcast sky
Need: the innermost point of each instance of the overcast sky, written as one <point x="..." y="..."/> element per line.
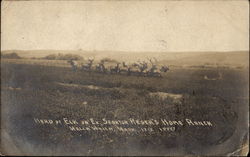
<point x="126" y="26"/>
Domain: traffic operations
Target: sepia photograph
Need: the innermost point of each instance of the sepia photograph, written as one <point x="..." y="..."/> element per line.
<point x="124" y="78"/>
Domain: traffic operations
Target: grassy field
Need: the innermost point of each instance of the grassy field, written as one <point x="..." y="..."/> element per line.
<point x="31" y="91"/>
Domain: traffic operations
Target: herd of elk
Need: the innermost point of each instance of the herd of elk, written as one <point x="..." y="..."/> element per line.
<point x="138" y="68"/>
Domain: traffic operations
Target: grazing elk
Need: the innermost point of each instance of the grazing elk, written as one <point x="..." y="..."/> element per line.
<point x="87" y="67"/>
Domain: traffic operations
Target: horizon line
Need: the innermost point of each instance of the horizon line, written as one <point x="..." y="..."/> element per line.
<point x="186" y="51"/>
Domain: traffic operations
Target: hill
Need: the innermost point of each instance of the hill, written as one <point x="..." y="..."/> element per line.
<point x="10" y="55"/>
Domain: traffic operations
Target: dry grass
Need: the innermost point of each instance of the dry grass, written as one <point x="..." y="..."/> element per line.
<point x="118" y="97"/>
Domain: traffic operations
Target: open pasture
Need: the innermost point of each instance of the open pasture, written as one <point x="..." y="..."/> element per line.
<point x="31" y="91"/>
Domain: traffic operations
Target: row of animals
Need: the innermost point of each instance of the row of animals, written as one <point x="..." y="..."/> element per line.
<point x="139" y="68"/>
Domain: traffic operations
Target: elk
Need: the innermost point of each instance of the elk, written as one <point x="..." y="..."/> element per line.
<point x="153" y="66"/>
<point x="115" y="69"/>
<point x="73" y="64"/>
<point x="124" y="68"/>
<point x="164" y="68"/>
<point x="134" y="69"/>
<point x="142" y="66"/>
<point x="153" y="71"/>
<point x="101" y="67"/>
<point x="87" y="67"/>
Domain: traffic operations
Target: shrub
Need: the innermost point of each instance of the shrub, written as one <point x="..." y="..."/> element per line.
<point x="63" y="57"/>
<point x="11" y="56"/>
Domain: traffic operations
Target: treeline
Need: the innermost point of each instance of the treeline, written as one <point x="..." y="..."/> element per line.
<point x="10" y="55"/>
<point x="58" y="56"/>
<point x="63" y="57"/>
